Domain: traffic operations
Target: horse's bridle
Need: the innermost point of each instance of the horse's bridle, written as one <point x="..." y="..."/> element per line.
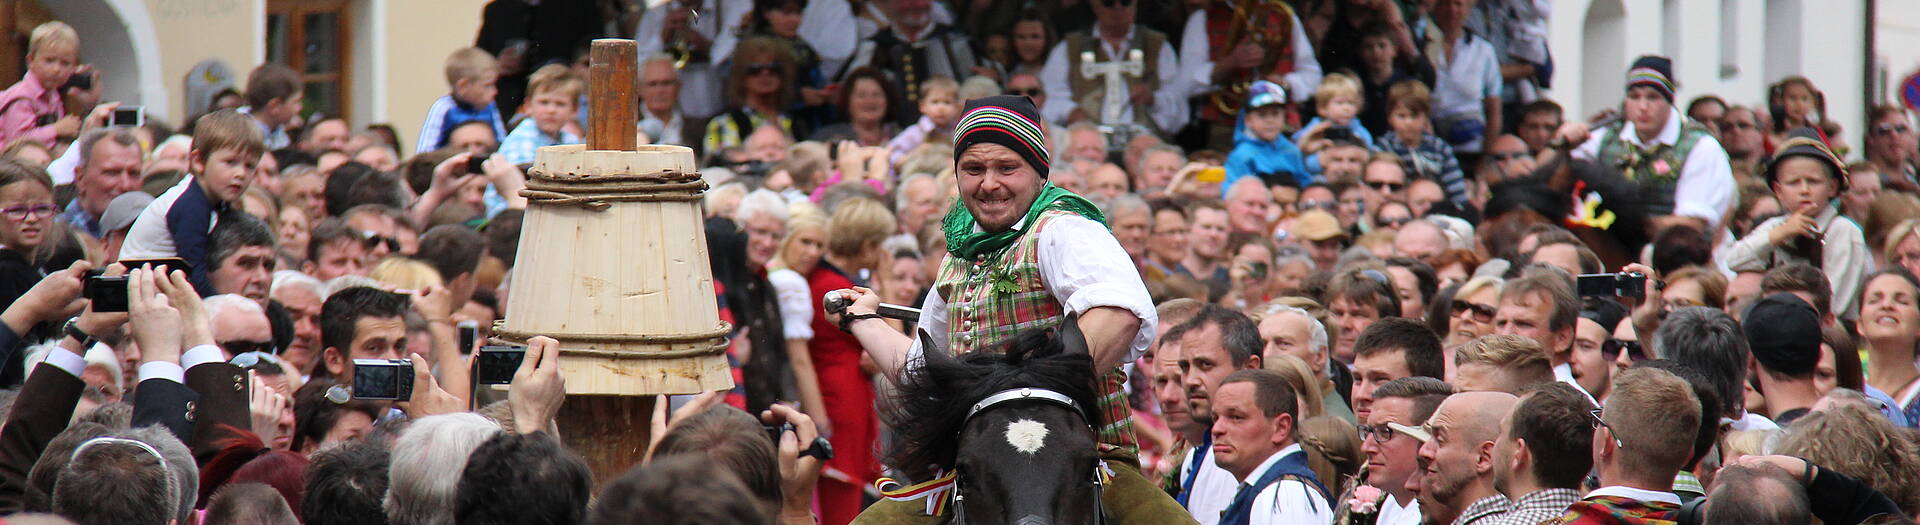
<point x="1030" y="394"/>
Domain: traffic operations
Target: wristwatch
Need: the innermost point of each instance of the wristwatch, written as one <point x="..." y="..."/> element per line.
<point x="72" y="329"/>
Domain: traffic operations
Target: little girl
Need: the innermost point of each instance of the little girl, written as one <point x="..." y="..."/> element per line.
<point x="26" y="217"/>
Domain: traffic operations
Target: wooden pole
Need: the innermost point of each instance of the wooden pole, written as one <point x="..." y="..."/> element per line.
<point x="612" y="75"/>
<point x="610" y="432"/>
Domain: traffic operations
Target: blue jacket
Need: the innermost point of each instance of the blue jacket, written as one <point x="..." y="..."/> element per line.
<point x="1267" y="159"/>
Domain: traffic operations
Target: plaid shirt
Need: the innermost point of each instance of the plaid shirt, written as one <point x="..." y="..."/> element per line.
<point x="1432" y="159"/>
<point x="994" y="297"/>
<point x="1483" y="510"/>
<point x="1536" y="506"/>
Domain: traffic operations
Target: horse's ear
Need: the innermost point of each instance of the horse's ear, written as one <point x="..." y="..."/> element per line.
<point x="926" y="341"/>
<point x="1071" y="340"/>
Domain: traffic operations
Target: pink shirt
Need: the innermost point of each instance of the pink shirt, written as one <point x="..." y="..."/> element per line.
<point x="23" y="105"/>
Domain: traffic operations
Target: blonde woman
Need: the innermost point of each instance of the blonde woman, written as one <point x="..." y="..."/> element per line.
<point x="1473" y="308"/>
<point x="799" y="253"/>
<point x="401" y="273"/>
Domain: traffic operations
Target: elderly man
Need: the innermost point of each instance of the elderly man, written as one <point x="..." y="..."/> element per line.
<point x="241" y="259"/>
<point x="301" y="295"/>
<point x="1292" y="331"/>
<point x="239" y="325"/>
<point x="1156" y="96"/>
<point x="1064" y="251"/>
<point x="1637" y="450"/>
<point x="1248" y="204"/>
<point x="1420" y="239"/>
<point x="110" y="163"/>
<point x="1460" y="458"/>
<point x="1677" y="166"/>
<point x="917" y="201"/>
<point x="660" y="102"/>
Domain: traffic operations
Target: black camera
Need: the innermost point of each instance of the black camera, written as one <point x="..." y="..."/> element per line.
<point x="476" y="164"/>
<point x="1622" y="284"/>
<point x="497" y="364"/>
<point x="105" y="293"/>
<point x="390" y="379"/>
<point x="78" y="81"/>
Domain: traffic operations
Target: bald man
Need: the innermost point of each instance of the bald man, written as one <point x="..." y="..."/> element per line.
<point x="1420" y="239"/>
<point x="1510" y="157"/>
<point x="1459" y="455"/>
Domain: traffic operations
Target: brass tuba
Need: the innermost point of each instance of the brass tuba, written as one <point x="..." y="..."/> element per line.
<point x="678" y="47"/>
<point x="1265" y="23"/>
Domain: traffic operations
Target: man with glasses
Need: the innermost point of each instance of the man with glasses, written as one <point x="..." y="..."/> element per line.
<point x="660" y="115"/>
<point x="1459" y="456"/>
<point x="1167" y="244"/>
<point x="1891" y="146"/>
<point x="1391" y="440"/>
<point x="1510" y="158"/>
<point x="1642" y="439"/>
<point x="1382" y="180"/>
<point x="239" y="325"/>
<point x="1740" y="134"/>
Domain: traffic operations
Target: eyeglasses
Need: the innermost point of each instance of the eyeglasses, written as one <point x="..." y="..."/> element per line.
<point x="1388" y="187"/>
<point x="373" y="240"/>
<point x="762" y="68"/>
<point x="245" y="348"/>
<point x="1603" y="424"/>
<point x="1395" y="222"/>
<point x="1481" y="313"/>
<point x="1029" y="93"/>
<point x="20" y="213"/>
<point x="1316" y="205"/>
<point x="1503" y="157"/>
<point x="1380" y="434"/>
<point x="1116" y="3"/>
<point x="1676" y="303"/>
<point x="1891" y="129"/>
<point x="1611" y="349"/>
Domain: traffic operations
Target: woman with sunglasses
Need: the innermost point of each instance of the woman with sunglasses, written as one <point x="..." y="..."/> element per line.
<point x="1890" y="324"/>
<point x="26" y="219"/>
<point x="1473" y="308"/>
<point x="781" y="20"/>
<point x="758" y="86"/>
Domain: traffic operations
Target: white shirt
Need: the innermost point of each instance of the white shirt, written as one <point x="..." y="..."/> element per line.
<point x="1463" y="82"/>
<point x="1084" y="268"/>
<point x="1288" y="502"/>
<point x="1196" y="62"/>
<point x="700" y="88"/>
<point x="827" y="26"/>
<point x="149" y="237"/>
<point x="1563" y="372"/>
<point x="1213" y="488"/>
<point x="1751" y="421"/>
<point x="664" y="131"/>
<point x="1391" y="513"/>
<point x="1635" y="494"/>
<point x="1844" y="258"/>
<point x="1706" y="178"/>
<point x="795" y="297"/>
<point x="1169" y="103"/>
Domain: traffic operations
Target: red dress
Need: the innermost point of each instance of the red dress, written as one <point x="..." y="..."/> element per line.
<point x="848" y="395"/>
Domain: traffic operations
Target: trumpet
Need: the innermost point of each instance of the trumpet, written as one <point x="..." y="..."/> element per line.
<point x="678" y="46"/>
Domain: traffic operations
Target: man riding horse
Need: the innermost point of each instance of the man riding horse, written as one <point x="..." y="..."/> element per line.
<point x="1023" y="254"/>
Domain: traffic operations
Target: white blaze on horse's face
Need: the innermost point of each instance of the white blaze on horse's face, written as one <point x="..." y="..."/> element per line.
<point x="1027" y="435"/>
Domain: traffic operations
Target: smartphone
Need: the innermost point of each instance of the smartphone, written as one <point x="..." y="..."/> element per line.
<point x="169" y="264"/>
<point x="105" y="293"/>
<point x="383" y="379"/>
<point x="477" y="164"/>
<point x="469" y="330"/>
<point x="1622" y="284"/>
<point x="1213" y="174"/>
<point x="496" y="364"/>
<point x="1333" y="133"/>
<point x="135" y="116"/>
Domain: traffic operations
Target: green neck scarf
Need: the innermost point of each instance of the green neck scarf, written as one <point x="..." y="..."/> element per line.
<point x="966" y="243"/>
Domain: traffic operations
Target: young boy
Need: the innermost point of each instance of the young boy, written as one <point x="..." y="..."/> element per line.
<point x="1422" y="153"/>
<point x="939" y="109"/>
<point x="472" y="73"/>
<point x="274" y="95"/>
<point x="1260" y="149"/>
<point x="1384" y="68"/>
<point x="552" y="97"/>
<point x="226" y="147"/>
<point x="33" y="107"/>
<point x="1805" y="177"/>
<point x="1338" y="101"/>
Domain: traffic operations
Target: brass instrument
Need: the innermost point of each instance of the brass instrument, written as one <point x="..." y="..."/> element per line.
<point x="678" y="47"/>
<point x="1253" y="21"/>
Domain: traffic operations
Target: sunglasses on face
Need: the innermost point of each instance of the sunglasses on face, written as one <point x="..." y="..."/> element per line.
<point x="1395" y="222"/>
<point x="1503" y="157"/>
<point x="20" y="213"/>
<point x="1481" y="313"/>
<point x="1884" y="130"/>
<point x="1612" y="347"/>
<point x="374" y="240"/>
<point x="762" y="68"/>
<point x="1387" y="187"/>
<point x="248" y="349"/>
<point x="1316" y="205"/>
<point x="1029" y="93"/>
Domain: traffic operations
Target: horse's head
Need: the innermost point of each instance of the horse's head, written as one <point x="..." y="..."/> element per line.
<point x="1016" y="425"/>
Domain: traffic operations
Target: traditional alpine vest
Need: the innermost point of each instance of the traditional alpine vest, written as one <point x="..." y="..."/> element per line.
<point x="994" y="297"/>
<point x="942" y="52"/>
<point x="1656" y="170"/>
<point x="1271" y="26"/>
<point x="1293" y="467"/>
<point x="1091" y="92"/>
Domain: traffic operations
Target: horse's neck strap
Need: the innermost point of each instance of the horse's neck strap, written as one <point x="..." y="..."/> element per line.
<point x="1023" y="394"/>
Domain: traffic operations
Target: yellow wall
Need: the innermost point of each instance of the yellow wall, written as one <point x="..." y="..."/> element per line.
<point x="419" y="36"/>
<point x="193" y="30"/>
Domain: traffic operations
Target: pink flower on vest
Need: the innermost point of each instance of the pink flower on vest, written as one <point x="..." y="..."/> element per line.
<point x="1366" y="500"/>
<point x="1660" y="167"/>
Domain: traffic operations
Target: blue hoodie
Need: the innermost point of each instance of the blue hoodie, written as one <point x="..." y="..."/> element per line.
<point x="1252" y="156"/>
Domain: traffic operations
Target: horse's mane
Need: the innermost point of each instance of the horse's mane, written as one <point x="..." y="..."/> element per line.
<point x="930" y="406"/>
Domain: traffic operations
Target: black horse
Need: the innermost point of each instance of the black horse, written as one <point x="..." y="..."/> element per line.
<point x="1015" y="425"/>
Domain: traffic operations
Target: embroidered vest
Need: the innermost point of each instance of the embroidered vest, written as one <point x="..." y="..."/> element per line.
<point x="1271" y="27"/>
<point x="1655" y="173"/>
<point x="1091" y="92"/>
<point x="994" y="297"/>
<point x="1293" y="467"/>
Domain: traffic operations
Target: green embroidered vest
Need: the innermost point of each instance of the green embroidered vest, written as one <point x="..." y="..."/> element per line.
<point x="994" y="297"/>
<point x="1656" y="172"/>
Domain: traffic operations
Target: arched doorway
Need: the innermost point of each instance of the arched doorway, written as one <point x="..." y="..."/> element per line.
<point x="116" y="37"/>
<point x="1603" y="60"/>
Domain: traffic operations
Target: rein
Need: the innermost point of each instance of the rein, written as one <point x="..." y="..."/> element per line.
<point x="1100" y="476"/>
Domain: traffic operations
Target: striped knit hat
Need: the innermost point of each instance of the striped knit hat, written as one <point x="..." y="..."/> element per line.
<point x="1652" y="71"/>
<point x="1007" y="120"/>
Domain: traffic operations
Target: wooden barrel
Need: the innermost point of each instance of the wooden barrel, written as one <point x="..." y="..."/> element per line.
<point x="613" y="264"/>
